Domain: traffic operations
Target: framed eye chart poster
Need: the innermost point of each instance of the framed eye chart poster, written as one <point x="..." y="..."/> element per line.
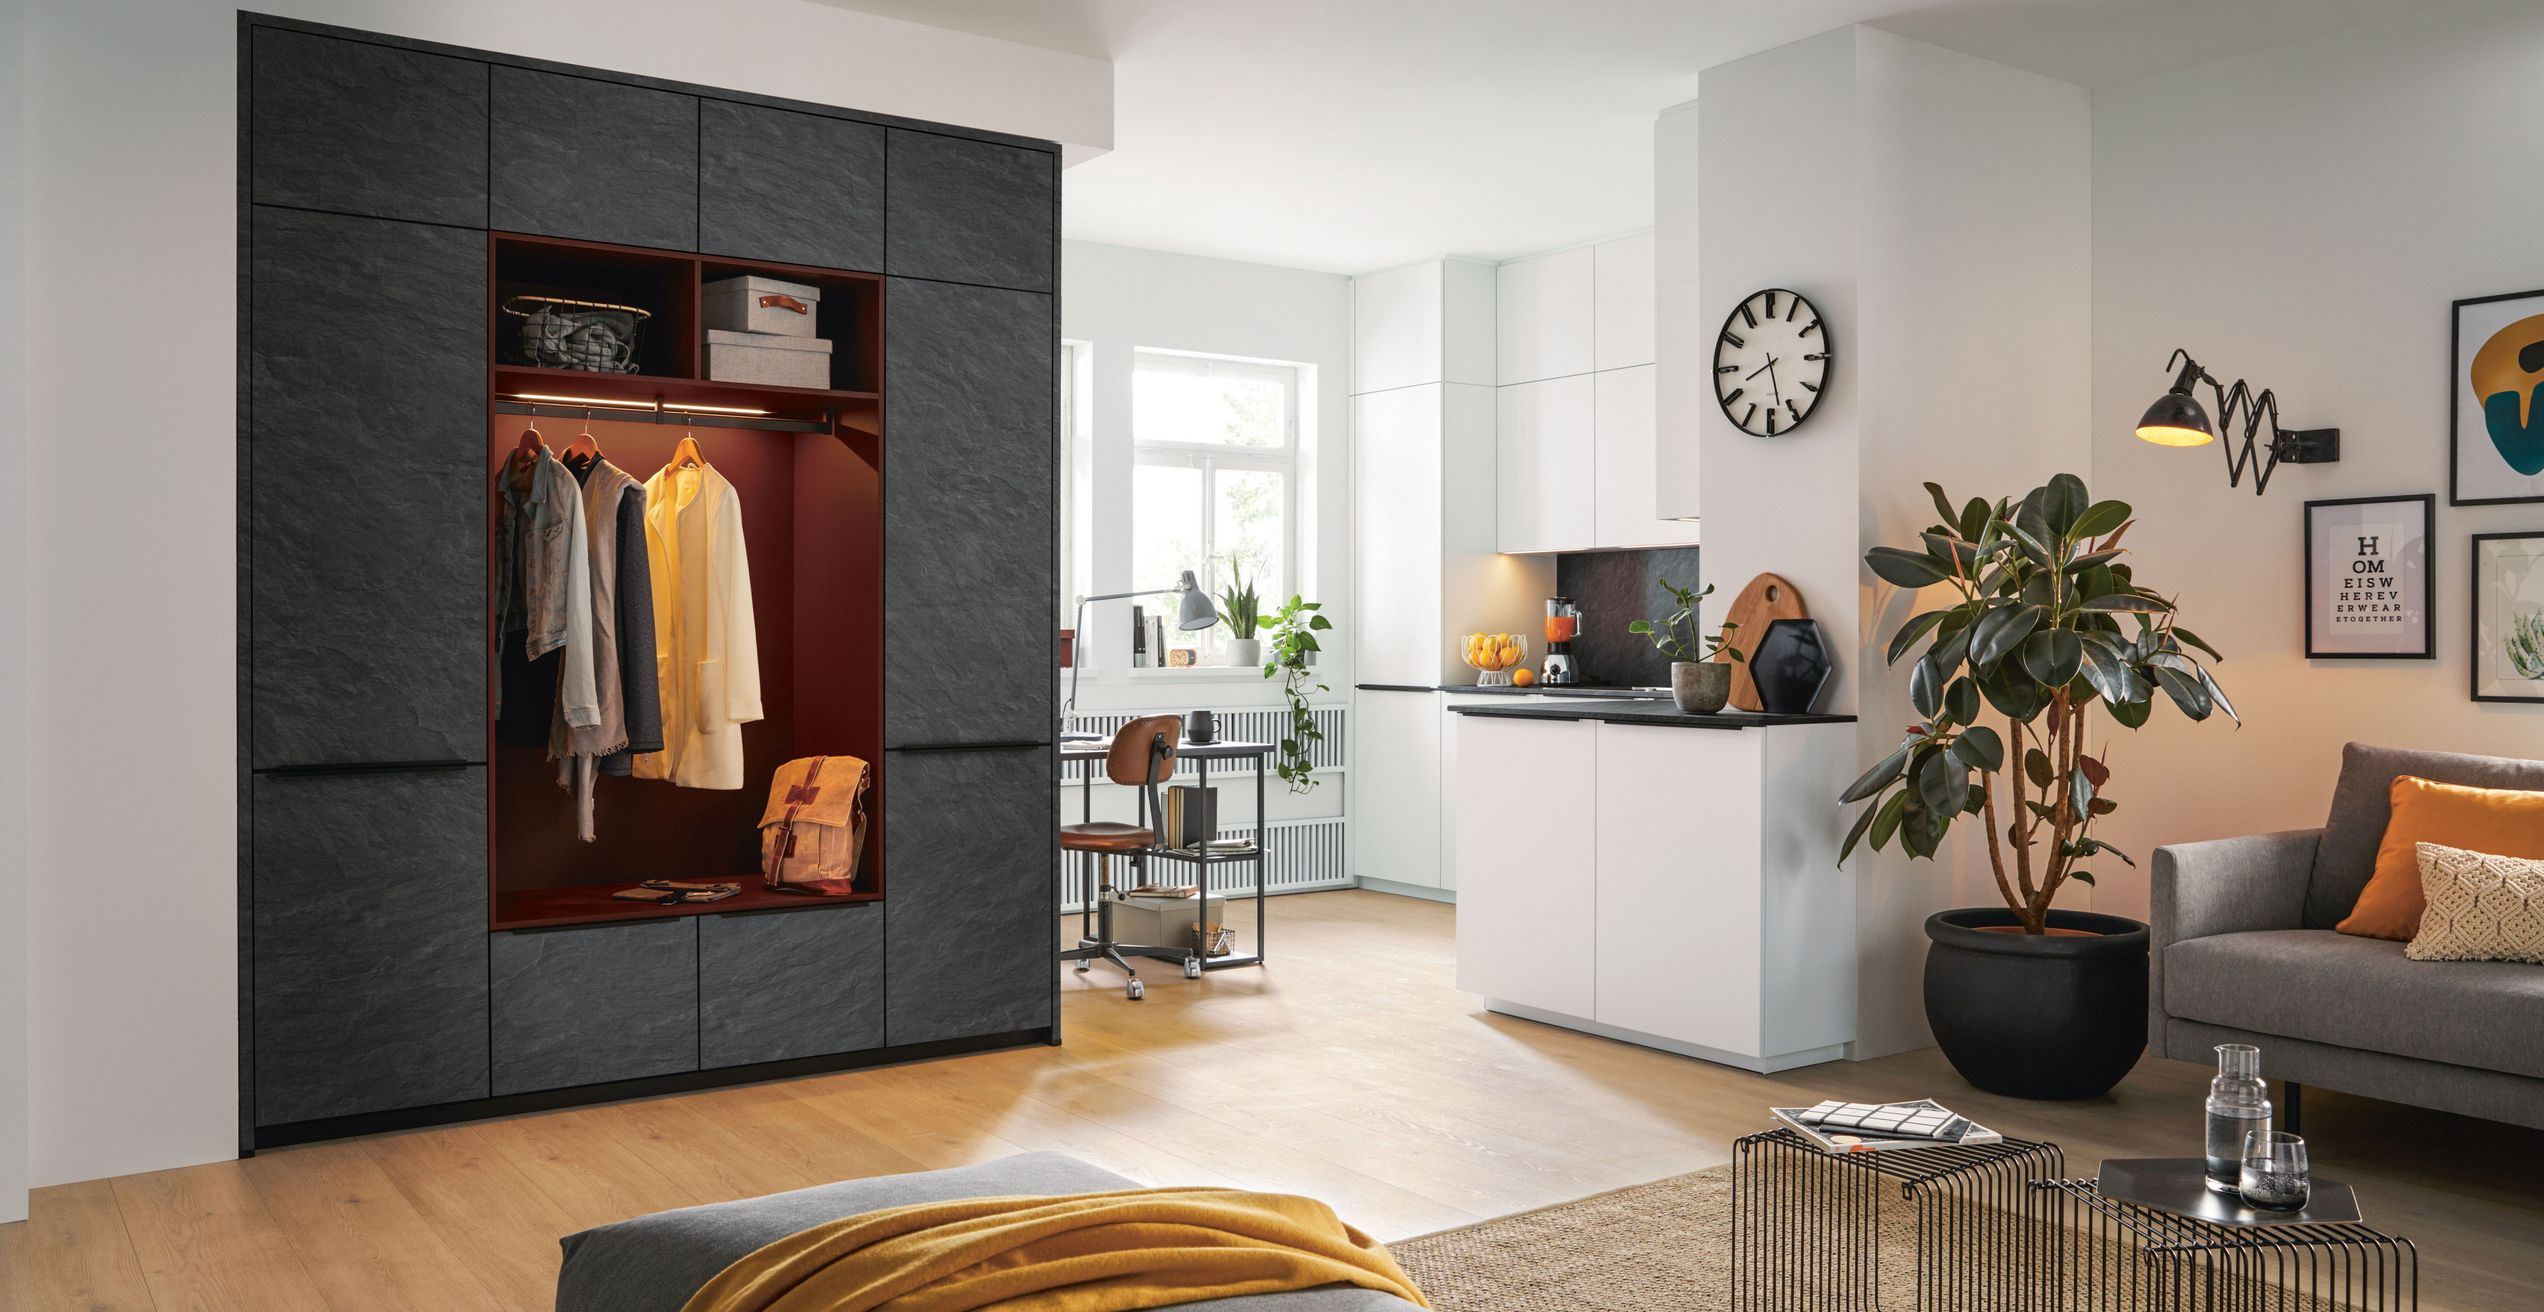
<point x="2367" y="566"/>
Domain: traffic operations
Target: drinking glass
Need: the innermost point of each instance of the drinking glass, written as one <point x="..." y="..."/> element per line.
<point x="2274" y="1176"/>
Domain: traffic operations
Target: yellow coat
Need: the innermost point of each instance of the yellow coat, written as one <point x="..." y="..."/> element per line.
<point x="1108" y="1252"/>
<point x="706" y="648"/>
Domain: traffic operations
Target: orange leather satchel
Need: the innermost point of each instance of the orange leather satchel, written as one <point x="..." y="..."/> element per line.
<point x="813" y="833"/>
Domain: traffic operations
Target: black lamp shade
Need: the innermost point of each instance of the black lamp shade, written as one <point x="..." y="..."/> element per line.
<point x="1192" y="605"/>
<point x="2176" y="419"/>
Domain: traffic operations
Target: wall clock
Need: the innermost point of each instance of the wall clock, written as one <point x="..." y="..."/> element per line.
<point x="1771" y="362"/>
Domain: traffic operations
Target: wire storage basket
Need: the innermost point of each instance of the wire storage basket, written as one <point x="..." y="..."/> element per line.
<point x="559" y="332"/>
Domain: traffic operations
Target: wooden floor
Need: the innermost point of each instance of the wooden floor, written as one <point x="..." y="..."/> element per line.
<point x="1351" y="1069"/>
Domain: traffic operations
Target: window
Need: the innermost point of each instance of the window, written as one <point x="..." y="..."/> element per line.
<point x="1214" y="478"/>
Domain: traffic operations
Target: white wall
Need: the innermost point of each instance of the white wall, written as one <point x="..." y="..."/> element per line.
<point x="1934" y="207"/>
<point x="2394" y="168"/>
<point x="131" y="129"/>
<point x="13" y="628"/>
<point x="1117" y="301"/>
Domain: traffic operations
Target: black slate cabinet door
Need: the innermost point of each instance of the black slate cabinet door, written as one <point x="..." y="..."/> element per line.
<point x="779" y="984"/>
<point x="367" y="482"/>
<point x="596" y="161"/>
<point x="774" y="184"/>
<point x="369" y="966"/>
<point x="971" y="936"/>
<point x="367" y="129"/>
<point x="970" y="489"/>
<point x="973" y="211"/>
<point x="595" y="1003"/>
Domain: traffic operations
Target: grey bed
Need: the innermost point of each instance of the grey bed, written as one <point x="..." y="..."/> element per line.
<point x="654" y="1263"/>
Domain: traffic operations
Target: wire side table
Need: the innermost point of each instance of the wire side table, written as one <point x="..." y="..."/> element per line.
<point x="1808" y="1226"/>
<point x="2121" y="1255"/>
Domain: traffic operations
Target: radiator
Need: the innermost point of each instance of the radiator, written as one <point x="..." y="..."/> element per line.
<point x="1303" y="856"/>
<point x="1258" y="724"/>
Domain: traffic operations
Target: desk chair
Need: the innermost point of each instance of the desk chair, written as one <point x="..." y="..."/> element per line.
<point x="1142" y="756"/>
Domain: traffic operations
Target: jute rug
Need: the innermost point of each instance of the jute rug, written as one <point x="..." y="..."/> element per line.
<point x="1666" y="1247"/>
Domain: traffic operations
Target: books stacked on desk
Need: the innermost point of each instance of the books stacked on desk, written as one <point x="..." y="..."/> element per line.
<point x="1192" y="816"/>
<point x="1866" y="1127"/>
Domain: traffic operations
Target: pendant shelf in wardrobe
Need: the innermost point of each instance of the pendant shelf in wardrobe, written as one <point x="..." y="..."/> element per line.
<point x="811" y="504"/>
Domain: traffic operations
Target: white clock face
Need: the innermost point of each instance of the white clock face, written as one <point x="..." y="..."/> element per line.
<point x="1771" y="362"/>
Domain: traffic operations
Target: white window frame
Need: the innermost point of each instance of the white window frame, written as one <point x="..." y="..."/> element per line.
<point x="1211" y="457"/>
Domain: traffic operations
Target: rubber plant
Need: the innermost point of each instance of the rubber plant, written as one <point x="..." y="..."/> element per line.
<point x="2048" y="622"/>
<point x="1291" y="639"/>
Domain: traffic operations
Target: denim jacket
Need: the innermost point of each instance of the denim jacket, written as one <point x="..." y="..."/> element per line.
<point x="543" y="578"/>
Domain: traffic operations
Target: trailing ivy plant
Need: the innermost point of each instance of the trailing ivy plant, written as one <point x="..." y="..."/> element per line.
<point x="1290" y="639"/>
<point x="2047" y="621"/>
<point x="1695" y="647"/>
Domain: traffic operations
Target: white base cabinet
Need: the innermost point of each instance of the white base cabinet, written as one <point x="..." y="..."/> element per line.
<point x="1670" y="886"/>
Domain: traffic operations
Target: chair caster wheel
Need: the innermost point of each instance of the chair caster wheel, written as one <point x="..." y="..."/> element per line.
<point x="1136" y="990"/>
<point x="1085" y="966"/>
<point x="1192" y="968"/>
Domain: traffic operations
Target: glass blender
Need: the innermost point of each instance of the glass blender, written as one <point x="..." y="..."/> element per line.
<point x="1563" y="624"/>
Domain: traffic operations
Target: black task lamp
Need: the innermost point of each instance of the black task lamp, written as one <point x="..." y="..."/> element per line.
<point x="1192" y="611"/>
<point x="2176" y="419"/>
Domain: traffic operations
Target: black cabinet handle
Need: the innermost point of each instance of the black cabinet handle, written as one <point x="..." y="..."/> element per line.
<point x="364" y="767"/>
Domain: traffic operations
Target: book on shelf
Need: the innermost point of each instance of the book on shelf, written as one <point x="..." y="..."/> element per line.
<point x="1867" y="1127"/>
<point x="1192" y="815"/>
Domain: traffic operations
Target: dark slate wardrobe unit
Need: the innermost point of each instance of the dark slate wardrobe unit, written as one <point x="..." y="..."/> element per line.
<point x="376" y="989"/>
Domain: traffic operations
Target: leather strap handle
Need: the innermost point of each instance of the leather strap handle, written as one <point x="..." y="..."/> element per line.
<point x="782" y="301"/>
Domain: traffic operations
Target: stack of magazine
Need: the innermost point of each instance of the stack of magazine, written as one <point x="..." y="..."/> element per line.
<point x="1872" y="1127"/>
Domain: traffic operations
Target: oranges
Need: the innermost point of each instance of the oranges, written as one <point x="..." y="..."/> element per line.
<point x="1493" y="652"/>
<point x="1521" y="678"/>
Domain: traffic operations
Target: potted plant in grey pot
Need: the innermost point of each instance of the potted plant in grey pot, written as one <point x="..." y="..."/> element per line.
<point x="2047" y="629"/>
<point x="1242" y="611"/>
<point x="1699" y="682"/>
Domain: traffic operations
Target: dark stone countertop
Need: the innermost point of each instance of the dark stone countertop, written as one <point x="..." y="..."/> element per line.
<point x="1533" y="690"/>
<point x="1661" y="713"/>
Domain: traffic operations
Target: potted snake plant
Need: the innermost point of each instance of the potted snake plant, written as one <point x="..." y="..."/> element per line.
<point x="1242" y="611"/>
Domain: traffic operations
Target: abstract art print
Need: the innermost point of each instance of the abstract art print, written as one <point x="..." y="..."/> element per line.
<point x="2495" y="400"/>
<point x="2368" y="593"/>
<point x="2508" y="617"/>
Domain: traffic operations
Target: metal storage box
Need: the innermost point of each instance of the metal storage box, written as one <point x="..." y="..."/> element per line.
<point x="753" y="304"/>
<point x="767" y="358"/>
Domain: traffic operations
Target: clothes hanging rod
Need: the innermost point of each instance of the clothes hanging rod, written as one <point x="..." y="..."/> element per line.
<point x="646" y="414"/>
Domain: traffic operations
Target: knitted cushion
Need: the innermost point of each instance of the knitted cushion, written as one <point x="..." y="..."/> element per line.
<point x="2480" y="907"/>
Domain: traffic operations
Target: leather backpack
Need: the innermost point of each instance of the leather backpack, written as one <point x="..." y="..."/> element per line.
<point x="813" y="833"/>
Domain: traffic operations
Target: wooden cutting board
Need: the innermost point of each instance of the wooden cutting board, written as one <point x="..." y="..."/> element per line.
<point x="1768" y="598"/>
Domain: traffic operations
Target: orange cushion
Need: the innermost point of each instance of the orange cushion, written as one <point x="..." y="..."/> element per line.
<point x="2500" y="821"/>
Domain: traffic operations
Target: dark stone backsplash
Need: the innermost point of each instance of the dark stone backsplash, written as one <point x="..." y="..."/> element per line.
<point x="1614" y="589"/>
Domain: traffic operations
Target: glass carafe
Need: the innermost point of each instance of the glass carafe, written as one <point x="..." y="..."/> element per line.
<point x="2238" y="1105"/>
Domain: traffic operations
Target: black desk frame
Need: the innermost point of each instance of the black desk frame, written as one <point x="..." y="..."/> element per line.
<point x="1091" y="752"/>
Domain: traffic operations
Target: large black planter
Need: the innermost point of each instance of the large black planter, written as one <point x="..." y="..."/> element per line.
<point x="2038" y="1016"/>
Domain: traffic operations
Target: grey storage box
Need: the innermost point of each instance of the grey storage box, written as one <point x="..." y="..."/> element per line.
<point x="767" y="358"/>
<point x="753" y="304"/>
<point x="1165" y="922"/>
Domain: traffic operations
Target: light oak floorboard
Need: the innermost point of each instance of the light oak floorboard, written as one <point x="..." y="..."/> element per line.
<point x="1351" y="1069"/>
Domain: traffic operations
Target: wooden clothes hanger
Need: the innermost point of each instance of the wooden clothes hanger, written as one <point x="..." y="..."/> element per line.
<point x="687" y="455"/>
<point x="524" y="457"/>
<point x="583" y="447"/>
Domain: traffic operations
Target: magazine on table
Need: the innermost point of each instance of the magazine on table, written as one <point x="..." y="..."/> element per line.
<point x="1872" y="1127"/>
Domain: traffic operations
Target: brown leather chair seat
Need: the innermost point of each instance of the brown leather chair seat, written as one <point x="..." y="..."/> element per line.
<point x="1105" y="836"/>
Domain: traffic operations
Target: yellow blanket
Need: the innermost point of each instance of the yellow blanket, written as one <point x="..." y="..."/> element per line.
<point x="1108" y="1252"/>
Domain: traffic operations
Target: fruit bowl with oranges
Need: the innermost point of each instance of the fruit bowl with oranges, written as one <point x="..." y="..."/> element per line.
<point x="1493" y="656"/>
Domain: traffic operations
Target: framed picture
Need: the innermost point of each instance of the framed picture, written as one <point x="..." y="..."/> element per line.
<point x="2367" y="569"/>
<point x="2508" y="617"/>
<point x="2495" y="410"/>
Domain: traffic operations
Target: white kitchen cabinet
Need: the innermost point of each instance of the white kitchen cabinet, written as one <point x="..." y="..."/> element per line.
<point x="1544" y="310"/>
<point x="1544" y="467"/>
<point x="1685" y="387"/>
<point x="1624" y="420"/>
<point x="1395" y="786"/>
<point x="1677" y="912"/>
<point x="1396" y="466"/>
<point x="1526" y="931"/>
<point x="1397" y="330"/>
<point x="1621" y="302"/>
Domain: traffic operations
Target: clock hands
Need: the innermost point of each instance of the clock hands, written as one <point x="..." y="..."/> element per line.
<point x="1769" y="370"/>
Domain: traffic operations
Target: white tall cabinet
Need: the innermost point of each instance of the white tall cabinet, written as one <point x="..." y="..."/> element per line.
<point x="1425" y="566"/>
<point x="1579" y="414"/>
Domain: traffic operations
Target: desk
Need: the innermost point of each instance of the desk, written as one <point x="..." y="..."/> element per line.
<point x="1201" y="755"/>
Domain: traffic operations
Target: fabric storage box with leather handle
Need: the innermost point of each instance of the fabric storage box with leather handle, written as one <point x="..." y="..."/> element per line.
<point x="754" y="304"/>
<point x="767" y="358"/>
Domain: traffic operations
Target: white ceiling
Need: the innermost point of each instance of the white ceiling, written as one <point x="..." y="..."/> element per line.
<point x="1355" y="135"/>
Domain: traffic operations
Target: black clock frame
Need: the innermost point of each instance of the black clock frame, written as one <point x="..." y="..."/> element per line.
<point x="1828" y="351"/>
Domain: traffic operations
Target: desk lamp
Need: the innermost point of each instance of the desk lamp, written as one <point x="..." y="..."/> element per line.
<point x="1192" y="611"/>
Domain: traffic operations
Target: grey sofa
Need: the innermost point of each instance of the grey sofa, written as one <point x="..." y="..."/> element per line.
<point x="2243" y="951"/>
<point x="654" y="1263"/>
